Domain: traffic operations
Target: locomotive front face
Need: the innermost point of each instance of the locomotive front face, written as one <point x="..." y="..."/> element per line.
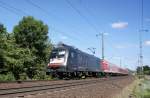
<point x="58" y="58"/>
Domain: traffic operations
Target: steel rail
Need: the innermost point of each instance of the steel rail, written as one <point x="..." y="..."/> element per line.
<point x="52" y="86"/>
<point x="66" y="82"/>
<point x="33" y="89"/>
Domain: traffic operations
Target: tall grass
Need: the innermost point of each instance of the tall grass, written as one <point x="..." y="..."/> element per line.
<point x="143" y="89"/>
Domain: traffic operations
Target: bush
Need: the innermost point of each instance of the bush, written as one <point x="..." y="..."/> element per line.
<point x="41" y="75"/>
<point x="23" y="76"/>
<point x="48" y="77"/>
<point x="7" y="77"/>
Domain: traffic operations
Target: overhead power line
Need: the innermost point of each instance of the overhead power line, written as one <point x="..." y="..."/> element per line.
<point x="63" y="33"/>
<point x="81" y="15"/>
<point x="13" y="9"/>
<point x="37" y="6"/>
<point x="19" y="12"/>
<point x="43" y="10"/>
<point x="88" y="11"/>
<point x="10" y="10"/>
<point x="49" y="13"/>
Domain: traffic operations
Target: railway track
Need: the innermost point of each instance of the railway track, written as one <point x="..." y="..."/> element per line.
<point x="22" y="91"/>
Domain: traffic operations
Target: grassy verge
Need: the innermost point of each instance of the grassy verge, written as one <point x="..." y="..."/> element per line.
<point x="126" y="92"/>
<point x="142" y="90"/>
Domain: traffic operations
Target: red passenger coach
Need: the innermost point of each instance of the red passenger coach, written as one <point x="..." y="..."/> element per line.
<point x="105" y="66"/>
<point x="112" y="69"/>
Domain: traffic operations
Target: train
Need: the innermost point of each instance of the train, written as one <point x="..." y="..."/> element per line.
<point x="70" y="62"/>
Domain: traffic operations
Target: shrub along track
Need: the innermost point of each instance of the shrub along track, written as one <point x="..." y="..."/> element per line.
<point x="57" y="86"/>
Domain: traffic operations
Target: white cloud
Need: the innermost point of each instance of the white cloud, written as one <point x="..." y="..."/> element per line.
<point x="64" y="37"/>
<point x="147" y="43"/>
<point x="119" y="25"/>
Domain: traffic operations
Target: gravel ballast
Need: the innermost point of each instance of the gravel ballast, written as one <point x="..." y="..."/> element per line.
<point x="106" y="89"/>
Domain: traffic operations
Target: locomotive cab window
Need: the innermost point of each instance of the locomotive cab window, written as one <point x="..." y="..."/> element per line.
<point x="61" y="53"/>
<point x="58" y="53"/>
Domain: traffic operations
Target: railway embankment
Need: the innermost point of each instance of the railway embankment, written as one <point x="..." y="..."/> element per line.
<point x="88" y="88"/>
<point x="127" y="92"/>
<point x="142" y="90"/>
<point x="139" y="88"/>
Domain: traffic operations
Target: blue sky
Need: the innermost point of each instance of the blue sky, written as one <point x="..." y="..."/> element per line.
<point x="76" y="22"/>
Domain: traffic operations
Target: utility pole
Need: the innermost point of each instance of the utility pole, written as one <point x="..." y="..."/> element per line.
<point x="140" y="38"/>
<point x="141" y="48"/>
<point x="141" y="53"/>
<point x="102" y="42"/>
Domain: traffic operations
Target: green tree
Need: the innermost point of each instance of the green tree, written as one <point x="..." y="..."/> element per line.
<point x="16" y="58"/>
<point x="33" y="35"/>
<point x="13" y="58"/>
<point x="146" y="69"/>
<point x="3" y="38"/>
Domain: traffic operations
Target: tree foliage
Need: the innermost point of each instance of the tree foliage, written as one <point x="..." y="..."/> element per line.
<point x="26" y="50"/>
<point x="146" y="70"/>
<point x="3" y="38"/>
<point x="15" y="58"/>
<point x="33" y="35"/>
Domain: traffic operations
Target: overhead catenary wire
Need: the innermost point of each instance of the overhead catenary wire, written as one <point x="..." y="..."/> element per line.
<point x="50" y="13"/>
<point x="37" y="6"/>
<point x="63" y="33"/>
<point x="19" y="12"/>
<point x="89" y="12"/>
<point x="13" y="9"/>
<point x="81" y="15"/>
<point x="89" y="23"/>
<point x="42" y="9"/>
<point x="10" y="10"/>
